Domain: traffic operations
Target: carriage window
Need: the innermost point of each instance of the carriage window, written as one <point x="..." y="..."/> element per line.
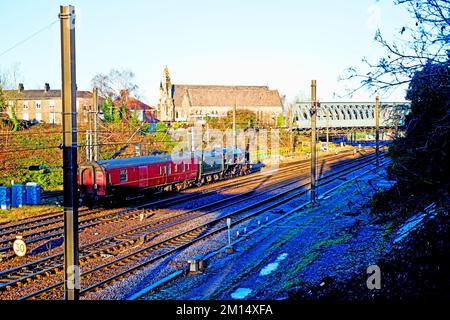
<point x="175" y="168"/>
<point x="183" y="167"/>
<point x="123" y="175"/>
<point x="168" y="168"/>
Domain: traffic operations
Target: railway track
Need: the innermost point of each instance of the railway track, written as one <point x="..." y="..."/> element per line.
<point x="45" y="232"/>
<point x="122" y="239"/>
<point x="53" y="217"/>
<point x="178" y="241"/>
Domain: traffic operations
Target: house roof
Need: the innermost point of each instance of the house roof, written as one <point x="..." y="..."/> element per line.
<point x="42" y="94"/>
<point x="215" y="95"/>
<point x="133" y="103"/>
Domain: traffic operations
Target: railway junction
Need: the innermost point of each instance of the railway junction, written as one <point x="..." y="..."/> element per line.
<point x="169" y="235"/>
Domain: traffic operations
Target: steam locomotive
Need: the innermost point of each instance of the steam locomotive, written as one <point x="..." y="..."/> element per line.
<point x="117" y="179"/>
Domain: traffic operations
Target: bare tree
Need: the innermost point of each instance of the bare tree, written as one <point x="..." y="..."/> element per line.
<point x="110" y="85"/>
<point x="10" y="77"/>
<point x="426" y="41"/>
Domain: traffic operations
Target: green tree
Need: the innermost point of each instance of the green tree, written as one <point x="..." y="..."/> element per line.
<point x="244" y="119"/>
<point x="111" y="113"/>
<point x="14" y="120"/>
<point x="280" y="121"/>
<point x="6" y="108"/>
<point x="420" y="160"/>
<point x="3" y="101"/>
<point x="133" y="120"/>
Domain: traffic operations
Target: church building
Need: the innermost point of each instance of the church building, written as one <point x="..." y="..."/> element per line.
<point x="192" y="103"/>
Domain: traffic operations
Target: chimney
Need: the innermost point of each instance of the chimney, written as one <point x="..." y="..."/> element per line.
<point x="21" y="87"/>
<point x="47" y="87"/>
<point x="124" y="93"/>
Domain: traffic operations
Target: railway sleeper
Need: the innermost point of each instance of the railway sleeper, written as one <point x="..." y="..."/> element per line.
<point x="5" y="280"/>
<point x="122" y="238"/>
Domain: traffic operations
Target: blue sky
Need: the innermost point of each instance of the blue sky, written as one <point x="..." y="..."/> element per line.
<point x="282" y="43"/>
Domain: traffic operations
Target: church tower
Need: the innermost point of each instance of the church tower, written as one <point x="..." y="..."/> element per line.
<point x="166" y="106"/>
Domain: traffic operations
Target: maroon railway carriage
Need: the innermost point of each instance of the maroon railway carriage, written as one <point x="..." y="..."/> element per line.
<point x="127" y="176"/>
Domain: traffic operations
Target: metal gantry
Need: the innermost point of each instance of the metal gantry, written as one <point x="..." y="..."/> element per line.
<point x="334" y="115"/>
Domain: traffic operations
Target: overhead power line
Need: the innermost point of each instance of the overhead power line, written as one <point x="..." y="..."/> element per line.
<point x="28" y="38"/>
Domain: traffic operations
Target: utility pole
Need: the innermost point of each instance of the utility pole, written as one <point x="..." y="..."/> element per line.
<point x="91" y="146"/>
<point x="328" y="128"/>
<point x="291" y="138"/>
<point x="97" y="111"/>
<point x="313" y="140"/>
<point x="71" y="267"/>
<point x="192" y="140"/>
<point x="208" y="138"/>
<point x="234" y="131"/>
<point x="88" y="146"/>
<point x="377" y="130"/>
<point x="89" y="136"/>
<point x="234" y="125"/>
<point x="257" y="132"/>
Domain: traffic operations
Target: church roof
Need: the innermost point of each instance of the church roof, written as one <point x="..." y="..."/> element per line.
<point x="222" y="96"/>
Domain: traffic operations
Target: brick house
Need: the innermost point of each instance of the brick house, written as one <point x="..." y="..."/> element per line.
<point x="44" y="105"/>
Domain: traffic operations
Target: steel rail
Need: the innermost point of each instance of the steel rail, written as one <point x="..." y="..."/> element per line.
<point x="324" y="180"/>
<point x="114" y="217"/>
<point x="22" y="269"/>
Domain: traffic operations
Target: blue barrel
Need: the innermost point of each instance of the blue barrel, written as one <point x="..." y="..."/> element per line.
<point x="33" y="193"/>
<point x="18" y="195"/>
<point x="5" y="198"/>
